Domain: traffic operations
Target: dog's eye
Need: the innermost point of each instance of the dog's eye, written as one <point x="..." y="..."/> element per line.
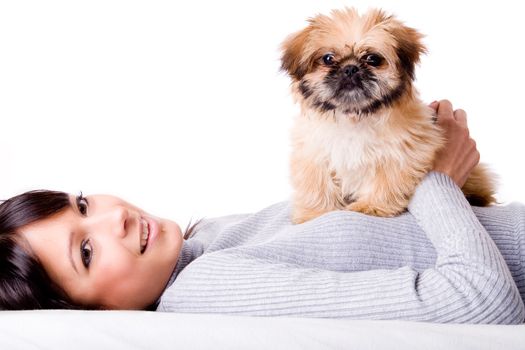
<point x="373" y="60"/>
<point x="329" y="59"/>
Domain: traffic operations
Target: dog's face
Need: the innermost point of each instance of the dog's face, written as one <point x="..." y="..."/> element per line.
<point x="350" y="63"/>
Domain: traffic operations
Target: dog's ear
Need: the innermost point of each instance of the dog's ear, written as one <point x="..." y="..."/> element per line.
<point x="410" y="47"/>
<point x="293" y="51"/>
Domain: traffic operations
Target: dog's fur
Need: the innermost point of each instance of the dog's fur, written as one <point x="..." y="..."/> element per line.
<point x="364" y="139"/>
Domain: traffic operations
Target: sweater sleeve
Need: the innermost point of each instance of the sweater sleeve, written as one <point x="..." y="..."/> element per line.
<point x="470" y="281"/>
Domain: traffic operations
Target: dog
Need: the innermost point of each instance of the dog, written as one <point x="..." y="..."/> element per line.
<point x="363" y="139"/>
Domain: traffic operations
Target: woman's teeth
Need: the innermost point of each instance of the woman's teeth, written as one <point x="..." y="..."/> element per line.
<point x="144" y="236"/>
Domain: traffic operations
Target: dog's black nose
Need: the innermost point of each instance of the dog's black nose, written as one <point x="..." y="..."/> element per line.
<point x="350" y="70"/>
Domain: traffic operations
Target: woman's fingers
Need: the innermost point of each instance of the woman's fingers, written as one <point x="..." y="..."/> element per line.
<point x="459" y="155"/>
<point x="461" y="117"/>
<point x="434" y="105"/>
<point x="445" y="112"/>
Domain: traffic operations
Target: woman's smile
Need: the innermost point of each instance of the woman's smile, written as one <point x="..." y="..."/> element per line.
<point x="150" y="230"/>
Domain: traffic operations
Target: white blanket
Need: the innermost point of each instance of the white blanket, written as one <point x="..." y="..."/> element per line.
<point x="56" y="329"/>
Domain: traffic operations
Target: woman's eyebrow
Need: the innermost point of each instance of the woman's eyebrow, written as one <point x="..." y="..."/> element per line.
<point x="70" y="250"/>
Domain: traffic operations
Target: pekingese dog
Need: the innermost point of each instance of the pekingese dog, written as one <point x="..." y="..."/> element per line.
<point x="363" y="139"/>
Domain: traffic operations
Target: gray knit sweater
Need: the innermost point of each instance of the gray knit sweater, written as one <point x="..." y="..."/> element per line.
<point x="436" y="263"/>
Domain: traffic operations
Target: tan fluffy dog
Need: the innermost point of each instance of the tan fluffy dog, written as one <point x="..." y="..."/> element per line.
<point x="364" y="139"/>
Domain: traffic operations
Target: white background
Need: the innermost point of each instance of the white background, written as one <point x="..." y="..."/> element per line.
<point x="180" y="108"/>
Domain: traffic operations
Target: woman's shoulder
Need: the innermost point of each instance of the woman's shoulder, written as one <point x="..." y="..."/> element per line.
<point x="208" y="228"/>
<point x="223" y="221"/>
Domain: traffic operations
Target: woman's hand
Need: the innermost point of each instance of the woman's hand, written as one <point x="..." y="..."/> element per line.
<point x="459" y="155"/>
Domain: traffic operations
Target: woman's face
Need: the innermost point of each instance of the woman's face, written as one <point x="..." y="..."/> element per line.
<point x="95" y="251"/>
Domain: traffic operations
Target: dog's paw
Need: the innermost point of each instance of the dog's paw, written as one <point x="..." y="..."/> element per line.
<point x="370" y="209"/>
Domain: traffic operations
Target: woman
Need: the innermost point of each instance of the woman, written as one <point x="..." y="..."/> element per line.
<point x="435" y="263"/>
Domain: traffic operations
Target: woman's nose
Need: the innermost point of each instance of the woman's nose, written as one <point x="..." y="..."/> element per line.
<point x="120" y="217"/>
<point x="115" y="221"/>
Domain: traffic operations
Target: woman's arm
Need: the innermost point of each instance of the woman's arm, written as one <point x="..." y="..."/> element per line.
<point x="470" y="281"/>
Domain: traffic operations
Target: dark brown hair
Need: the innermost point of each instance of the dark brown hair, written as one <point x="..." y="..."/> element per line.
<point x="191" y="229"/>
<point x="24" y="284"/>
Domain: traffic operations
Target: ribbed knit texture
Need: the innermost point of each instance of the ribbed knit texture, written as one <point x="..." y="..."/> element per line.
<point x="435" y="263"/>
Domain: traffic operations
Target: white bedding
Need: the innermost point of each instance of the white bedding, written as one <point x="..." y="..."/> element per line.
<point x="56" y="329"/>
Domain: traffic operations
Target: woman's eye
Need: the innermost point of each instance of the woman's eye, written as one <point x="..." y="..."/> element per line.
<point x="82" y="204"/>
<point x="373" y="60"/>
<point x="86" y="252"/>
<point x="329" y="59"/>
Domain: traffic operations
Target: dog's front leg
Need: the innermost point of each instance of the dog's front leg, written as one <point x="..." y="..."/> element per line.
<point x="387" y="192"/>
<point x="315" y="190"/>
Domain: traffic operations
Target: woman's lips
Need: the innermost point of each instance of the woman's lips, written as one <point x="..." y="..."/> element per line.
<point x="153" y="231"/>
